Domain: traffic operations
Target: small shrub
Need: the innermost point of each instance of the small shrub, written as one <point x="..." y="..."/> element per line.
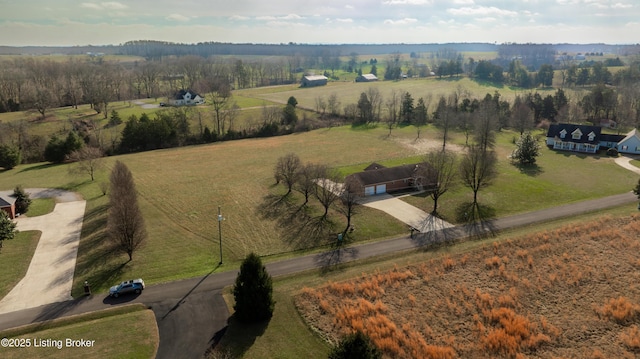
<point x="631" y="338"/>
<point x="620" y="310"/>
<point x="613" y="152"/>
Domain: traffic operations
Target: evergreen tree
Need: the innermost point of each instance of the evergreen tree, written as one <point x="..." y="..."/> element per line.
<point x="114" y="119"/>
<point x="253" y="291"/>
<point x="289" y="115"/>
<point x="292" y="101"/>
<point x="7" y="227"/>
<point x="9" y="156"/>
<point x="22" y="200"/>
<point x="527" y="149"/>
<point x="356" y="345"/>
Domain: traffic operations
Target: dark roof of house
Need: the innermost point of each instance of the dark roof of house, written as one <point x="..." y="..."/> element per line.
<point x="384" y="175"/>
<point x="611" y="138"/>
<point x="6" y="201"/>
<point x="374" y="166"/>
<point x="555" y="130"/>
<point x="180" y="94"/>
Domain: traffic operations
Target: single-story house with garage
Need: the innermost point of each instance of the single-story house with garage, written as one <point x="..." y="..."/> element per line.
<point x="313" y="80"/>
<point x="377" y="179"/>
<point x="186" y="98"/>
<point x="366" y="78"/>
<point x="8" y="204"/>
<point x="590" y="139"/>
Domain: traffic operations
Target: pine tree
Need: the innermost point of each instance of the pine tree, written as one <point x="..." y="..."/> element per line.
<point x="22" y="200"/>
<point x="356" y="345"/>
<point x="527" y="150"/>
<point x="253" y="291"/>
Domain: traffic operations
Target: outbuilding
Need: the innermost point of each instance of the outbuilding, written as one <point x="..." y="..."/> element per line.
<point x="366" y="78"/>
<point x="313" y="80"/>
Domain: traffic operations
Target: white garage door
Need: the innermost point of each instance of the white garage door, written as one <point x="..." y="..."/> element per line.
<point x="369" y="191"/>
<point x="381" y="188"/>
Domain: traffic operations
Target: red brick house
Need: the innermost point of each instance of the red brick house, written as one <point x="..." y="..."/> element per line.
<point x="377" y="179"/>
<point x="8" y="204"/>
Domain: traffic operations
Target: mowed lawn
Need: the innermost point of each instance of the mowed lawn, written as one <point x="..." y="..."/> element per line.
<point x="181" y="189"/>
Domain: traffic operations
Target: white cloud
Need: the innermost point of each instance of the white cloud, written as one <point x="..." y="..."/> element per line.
<point x="109" y="5"/>
<point x="463" y="2"/>
<point x="621" y="6"/>
<point x="88" y="5"/>
<point x="350" y="7"/>
<point x="265" y="18"/>
<point x="239" y="18"/>
<point x="178" y="17"/>
<point x="114" y="5"/>
<point x="404" y="21"/>
<point x="407" y="2"/>
<point x="481" y="11"/>
<point x="291" y="17"/>
<point x="344" y="20"/>
<point x="486" y="19"/>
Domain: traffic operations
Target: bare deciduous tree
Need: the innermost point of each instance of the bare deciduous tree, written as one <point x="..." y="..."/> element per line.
<point x="87" y="160"/>
<point x="349" y="202"/>
<point x="305" y="183"/>
<point x="287" y="170"/>
<point x="478" y="169"/>
<point x="327" y="190"/>
<point x="440" y="174"/>
<point x="125" y="226"/>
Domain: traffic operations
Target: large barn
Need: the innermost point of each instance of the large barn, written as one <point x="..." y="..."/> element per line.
<point x="313" y="80"/>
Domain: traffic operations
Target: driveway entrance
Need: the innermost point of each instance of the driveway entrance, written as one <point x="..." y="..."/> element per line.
<point x="50" y="275"/>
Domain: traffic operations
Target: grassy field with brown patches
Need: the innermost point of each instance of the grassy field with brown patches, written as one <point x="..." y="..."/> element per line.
<point x="349" y="92"/>
<point x="569" y="292"/>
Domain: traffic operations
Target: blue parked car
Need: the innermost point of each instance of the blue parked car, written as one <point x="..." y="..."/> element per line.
<point x="126" y="287"/>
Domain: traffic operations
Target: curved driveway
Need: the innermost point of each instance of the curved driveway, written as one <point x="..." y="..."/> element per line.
<point x="50" y="275"/>
<point x="625" y="162"/>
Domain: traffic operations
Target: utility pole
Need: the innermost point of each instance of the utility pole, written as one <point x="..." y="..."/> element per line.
<point x="220" y="219"/>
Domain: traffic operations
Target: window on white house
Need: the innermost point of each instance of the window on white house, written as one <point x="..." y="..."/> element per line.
<point x="576" y="135"/>
<point x="563" y="133"/>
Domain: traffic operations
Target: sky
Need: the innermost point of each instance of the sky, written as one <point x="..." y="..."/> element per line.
<point x="84" y="22"/>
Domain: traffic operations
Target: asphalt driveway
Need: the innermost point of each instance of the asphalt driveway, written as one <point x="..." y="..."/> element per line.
<point x="50" y="275"/>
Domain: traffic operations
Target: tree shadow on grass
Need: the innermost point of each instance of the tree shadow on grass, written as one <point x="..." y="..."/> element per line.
<point x="234" y="340"/>
<point x="40" y="167"/>
<point x="297" y="227"/>
<point x="532" y="170"/>
<point x="478" y="219"/>
<point x="96" y="262"/>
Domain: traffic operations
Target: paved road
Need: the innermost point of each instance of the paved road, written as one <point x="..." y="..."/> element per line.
<point x="191" y="313"/>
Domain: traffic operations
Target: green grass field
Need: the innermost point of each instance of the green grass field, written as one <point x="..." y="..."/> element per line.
<point x="15" y="258"/>
<point x="137" y="336"/>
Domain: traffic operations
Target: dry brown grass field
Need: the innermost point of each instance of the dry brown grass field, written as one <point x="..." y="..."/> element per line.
<point x="566" y="293"/>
